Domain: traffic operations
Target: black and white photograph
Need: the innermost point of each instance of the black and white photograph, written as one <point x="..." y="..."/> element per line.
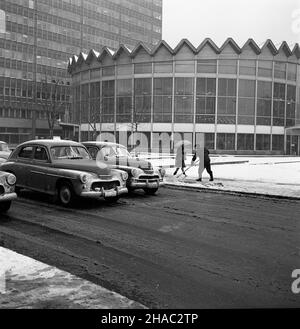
<point x="149" y="157"/>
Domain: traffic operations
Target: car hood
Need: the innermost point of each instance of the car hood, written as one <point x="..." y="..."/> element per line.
<point x="86" y="165"/>
<point x="129" y="162"/>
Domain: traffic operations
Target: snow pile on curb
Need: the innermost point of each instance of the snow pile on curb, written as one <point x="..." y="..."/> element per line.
<point x="274" y="176"/>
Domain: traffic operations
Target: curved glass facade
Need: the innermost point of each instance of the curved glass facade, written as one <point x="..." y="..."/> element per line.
<point x="241" y="98"/>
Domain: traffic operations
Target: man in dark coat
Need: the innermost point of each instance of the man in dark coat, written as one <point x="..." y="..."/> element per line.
<point x="197" y="154"/>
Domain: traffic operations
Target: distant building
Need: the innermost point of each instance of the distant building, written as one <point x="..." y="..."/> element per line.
<point x="37" y="37"/>
<point x="243" y="99"/>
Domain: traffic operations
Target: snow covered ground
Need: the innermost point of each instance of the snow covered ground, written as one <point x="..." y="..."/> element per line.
<point x="263" y="175"/>
<point x="27" y="283"/>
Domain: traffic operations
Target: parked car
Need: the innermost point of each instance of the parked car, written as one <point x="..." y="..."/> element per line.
<point x="141" y="174"/>
<point x="4" y="151"/>
<point x="7" y="190"/>
<point x="64" y="169"/>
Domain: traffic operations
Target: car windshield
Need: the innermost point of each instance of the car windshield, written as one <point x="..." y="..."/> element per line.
<point x="69" y="152"/>
<point x="4" y="147"/>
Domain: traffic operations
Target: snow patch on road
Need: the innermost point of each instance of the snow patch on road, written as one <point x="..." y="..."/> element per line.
<point x="27" y="283"/>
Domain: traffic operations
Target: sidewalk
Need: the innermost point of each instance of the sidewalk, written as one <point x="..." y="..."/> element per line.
<point x="27" y="283"/>
<point x="278" y="177"/>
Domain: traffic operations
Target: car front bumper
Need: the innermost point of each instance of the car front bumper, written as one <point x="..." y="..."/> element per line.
<point x="119" y="190"/>
<point x="8" y="197"/>
<point x="135" y="183"/>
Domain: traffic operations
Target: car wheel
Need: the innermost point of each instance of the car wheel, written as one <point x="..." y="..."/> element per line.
<point x="65" y="194"/>
<point x="150" y="191"/>
<point x="4" y="206"/>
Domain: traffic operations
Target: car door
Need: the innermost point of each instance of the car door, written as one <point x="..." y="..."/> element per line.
<point x="22" y="166"/>
<point x="39" y="170"/>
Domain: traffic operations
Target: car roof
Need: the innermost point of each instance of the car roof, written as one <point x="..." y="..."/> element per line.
<point x="99" y="143"/>
<point x="51" y="142"/>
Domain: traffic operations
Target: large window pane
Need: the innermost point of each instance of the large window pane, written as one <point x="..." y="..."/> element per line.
<point x="162" y="106"/>
<point x="245" y="142"/>
<point x="184" y="66"/>
<point x="246" y="88"/>
<point x="162" y="109"/>
<point x="265" y="68"/>
<point x="264" y="103"/>
<point x="225" y="141"/>
<point x="228" y="66"/>
<point x="184" y="86"/>
<point x="207" y="66"/>
<point x="142" y="68"/>
<point x="292" y="71"/>
<point x="108" y="71"/>
<point x="227" y="87"/>
<point x="163" y="86"/>
<point x="124" y="87"/>
<point x="163" y="67"/>
<point x="206" y="86"/>
<point x="291" y="106"/>
<point x="263" y="142"/>
<point x="183" y="109"/>
<point x="247" y="67"/>
<point x="277" y="142"/>
<point x="278" y="104"/>
<point x="280" y="70"/>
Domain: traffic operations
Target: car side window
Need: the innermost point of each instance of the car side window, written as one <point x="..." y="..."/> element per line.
<point x="93" y="151"/>
<point x="40" y="154"/>
<point x="26" y="152"/>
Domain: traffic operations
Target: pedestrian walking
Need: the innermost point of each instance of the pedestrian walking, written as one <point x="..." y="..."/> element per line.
<point x="180" y="159"/>
<point x="206" y="160"/>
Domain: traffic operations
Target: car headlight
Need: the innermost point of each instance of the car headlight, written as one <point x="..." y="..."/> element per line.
<point x="136" y="172"/>
<point x="84" y="178"/>
<point x="124" y="175"/>
<point x="11" y="179"/>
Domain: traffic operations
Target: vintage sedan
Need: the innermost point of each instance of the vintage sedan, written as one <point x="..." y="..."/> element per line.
<point x="64" y="169"/>
<point x="7" y="190"/>
<point x="141" y="174"/>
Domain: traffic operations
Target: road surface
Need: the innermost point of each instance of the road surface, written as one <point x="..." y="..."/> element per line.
<point x="178" y="249"/>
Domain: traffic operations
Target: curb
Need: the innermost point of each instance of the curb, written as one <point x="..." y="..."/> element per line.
<point x="243" y="193"/>
<point x="212" y="164"/>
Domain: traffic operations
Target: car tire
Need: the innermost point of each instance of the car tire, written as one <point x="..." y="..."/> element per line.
<point x="4" y="206"/>
<point x="65" y="194"/>
<point x="150" y="191"/>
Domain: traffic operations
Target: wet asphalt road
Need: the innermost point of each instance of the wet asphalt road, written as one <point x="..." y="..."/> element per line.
<point x="178" y="249"/>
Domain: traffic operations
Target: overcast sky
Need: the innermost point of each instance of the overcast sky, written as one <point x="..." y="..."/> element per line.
<point x="241" y="19"/>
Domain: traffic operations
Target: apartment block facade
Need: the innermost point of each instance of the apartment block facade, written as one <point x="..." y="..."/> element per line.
<point x="37" y="38"/>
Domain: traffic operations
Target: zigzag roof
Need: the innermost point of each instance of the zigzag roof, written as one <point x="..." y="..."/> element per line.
<point x="231" y="43"/>
<point x="75" y="61"/>
<point x="210" y="43"/>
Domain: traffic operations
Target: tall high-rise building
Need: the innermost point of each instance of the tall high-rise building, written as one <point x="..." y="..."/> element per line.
<point x="37" y="37"/>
